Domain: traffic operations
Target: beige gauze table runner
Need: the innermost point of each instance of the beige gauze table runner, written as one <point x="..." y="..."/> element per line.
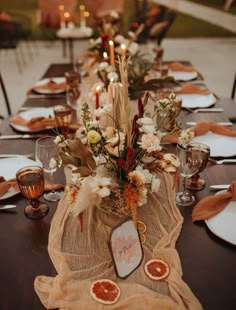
<point x="82" y="257"/>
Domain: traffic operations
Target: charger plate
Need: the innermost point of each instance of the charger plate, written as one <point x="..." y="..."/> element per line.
<point x="223" y="223"/>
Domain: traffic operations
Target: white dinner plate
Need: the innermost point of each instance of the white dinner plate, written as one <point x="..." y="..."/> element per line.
<point x="192" y="101"/>
<point x="29" y="114"/>
<point x="183" y="76"/>
<point x="220" y="146"/>
<point x="8" y="169"/>
<point x="223" y="223"/>
<point x="48" y="91"/>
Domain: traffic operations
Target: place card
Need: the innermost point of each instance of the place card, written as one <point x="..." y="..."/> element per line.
<point x="126" y="248"/>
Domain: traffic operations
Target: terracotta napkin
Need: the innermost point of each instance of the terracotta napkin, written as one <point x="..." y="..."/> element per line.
<point x="5" y="185"/>
<point x="50" y="85"/>
<point x="177" y="66"/>
<point x="189" y="88"/>
<point x="36" y="123"/>
<point x="212" y="205"/>
<point x="202" y="128"/>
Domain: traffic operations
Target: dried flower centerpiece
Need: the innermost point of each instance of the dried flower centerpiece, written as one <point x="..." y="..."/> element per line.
<point x="114" y="166"/>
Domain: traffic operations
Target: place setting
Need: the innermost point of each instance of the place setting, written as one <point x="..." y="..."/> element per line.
<point x="51" y="87"/>
<point x="218" y="212"/>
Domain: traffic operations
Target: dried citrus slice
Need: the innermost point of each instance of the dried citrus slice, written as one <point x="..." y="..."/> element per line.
<point x="141" y="227"/>
<point x="157" y="269"/>
<point x="105" y="291"/>
<point x="142" y="238"/>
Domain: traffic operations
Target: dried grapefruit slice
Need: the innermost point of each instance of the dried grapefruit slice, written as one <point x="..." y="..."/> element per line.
<point x="105" y="291"/>
<point x="141" y="227"/>
<point x="142" y="238"/>
<point x="157" y="269"/>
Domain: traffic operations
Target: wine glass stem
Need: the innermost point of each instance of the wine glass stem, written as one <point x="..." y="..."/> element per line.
<point x="184" y="187"/>
<point x="35" y="203"/>
<point x="51" y="182"/>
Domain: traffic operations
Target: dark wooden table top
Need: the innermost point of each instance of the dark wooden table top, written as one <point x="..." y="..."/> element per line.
<point x="208" y="262"/>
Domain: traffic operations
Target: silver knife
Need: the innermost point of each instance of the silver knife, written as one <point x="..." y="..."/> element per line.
<point x="20" y="136"/>
<point x="219" y="187"/>
<point x="219" y="123"/>
<point x="208" y="110"/>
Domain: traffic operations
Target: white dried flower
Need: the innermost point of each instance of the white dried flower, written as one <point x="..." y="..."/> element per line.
<point x="145" y="121"/>
<point x="113" y="76"/>
<point x="147" y="129"/>
<point x="100" y="186"/>
<point x="150" y="143"/>
<point x="102" y="65"/>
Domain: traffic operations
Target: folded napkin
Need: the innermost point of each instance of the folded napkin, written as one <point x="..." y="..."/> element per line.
<point x="5" y="186"/>
<point x="210" y="206"/>
<point x="177" y="66"/>
<point x="202" y="128"/>
<point x="50" y="85"/>
<point x="36" y="123"/>
<point x="189" y="88"/>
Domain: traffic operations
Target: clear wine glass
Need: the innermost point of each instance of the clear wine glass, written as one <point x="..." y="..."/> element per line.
<point x="190" y="161"/>
<point x="73" y="91"/>
<point x="47" y="154"/>
<point x="78" y="64"/>
<point x="30" y="180"/>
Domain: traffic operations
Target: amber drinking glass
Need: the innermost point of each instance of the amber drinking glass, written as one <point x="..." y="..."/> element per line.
<point x="31" y="184"/>
<point x="63" y="118"/>
<point x="195" y="182"/>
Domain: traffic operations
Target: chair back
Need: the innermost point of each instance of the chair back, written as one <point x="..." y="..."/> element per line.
<point x="233" y="88"/>
<point x="8" y="34"/>
<point x="101" y="8"/>
<point x="5" y="96"/>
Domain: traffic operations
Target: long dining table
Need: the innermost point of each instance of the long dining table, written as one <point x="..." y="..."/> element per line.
<point x="208" y="262"/>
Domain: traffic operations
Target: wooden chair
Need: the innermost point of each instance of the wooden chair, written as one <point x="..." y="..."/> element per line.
<point x="102" y="8"/>
<point x="233" y="88"/>
<point x="157" y="22"/>
<point x="9" y="39"/>
<point x="5" y="97"/>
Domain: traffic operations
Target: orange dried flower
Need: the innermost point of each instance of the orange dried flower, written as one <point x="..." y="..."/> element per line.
<point x="131" y="198"/>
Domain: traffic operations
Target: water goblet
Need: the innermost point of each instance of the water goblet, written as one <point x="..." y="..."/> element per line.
<point x="73" y="91"/>
<point x="195" y="182"/>
<point x="190" y="161"/>
<point x="63" y="118"/>
<point x="47" y="154"/>
<point x="78" y="64"/>
<point x="30" y="180"/>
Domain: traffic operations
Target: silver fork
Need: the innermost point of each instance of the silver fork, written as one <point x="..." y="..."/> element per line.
<point x="223" y="161"/>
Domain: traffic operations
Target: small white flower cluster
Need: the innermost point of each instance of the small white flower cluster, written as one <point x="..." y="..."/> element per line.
<point x="150" y="179"/>
<point x="132" y="47"/>
<point x="186" y="136"/>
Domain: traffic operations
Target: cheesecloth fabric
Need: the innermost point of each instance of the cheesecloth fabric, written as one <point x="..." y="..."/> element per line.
<point x="82" y="257"/>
